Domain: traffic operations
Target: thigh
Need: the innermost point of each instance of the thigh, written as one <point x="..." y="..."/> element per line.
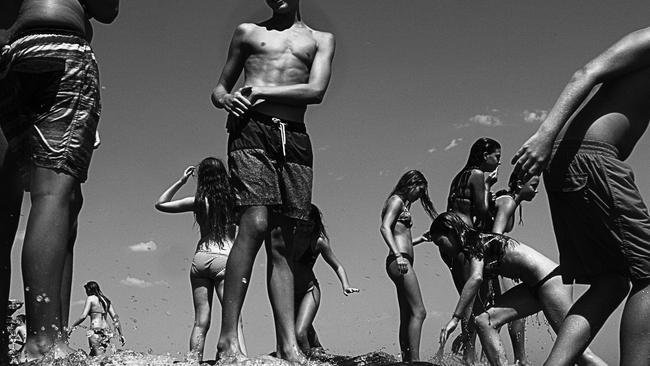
<point x="515" y="303"/>
<point x="202" y="292"/>
<point x="306" y="311"/>
<point x="408" y="287"/>
<point x="556" y="300"/>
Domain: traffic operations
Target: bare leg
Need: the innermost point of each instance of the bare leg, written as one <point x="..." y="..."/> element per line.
<point x="305" y="318"/>
<point x="516" y="329"/>
<point x="202" y="292"/>
<point x="635" y="326"/>
<point x="44" y="254"/>
<point x="586" y="317"/>
<point x="412" y="311"/>
<point x="66" y="284"/>
<point x="240" y="328"/>
<point x="279" y="252"/>
<point x="516" y="303"/>
<point x="11" y="199"/>
<point x="252" y="230"/>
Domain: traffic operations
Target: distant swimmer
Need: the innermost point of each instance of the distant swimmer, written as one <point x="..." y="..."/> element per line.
<point x="306" y="287"/>
<point x="49" y="110"/>
<point x="490" y="255"/>
<point x="395" y="229"/>
<point x="601" y="223"/>
<point x="287" y="66"/>
<point x="214" y="212"/>
<point x="98" y="307"/>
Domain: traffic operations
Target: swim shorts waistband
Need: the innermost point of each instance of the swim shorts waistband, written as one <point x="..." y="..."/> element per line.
<point x="586" y="146"/>
<point x="270" y="120"/>
<point x="44" y="30"/>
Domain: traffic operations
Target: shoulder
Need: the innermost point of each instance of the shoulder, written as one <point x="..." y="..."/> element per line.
<point x="244" y="30"/>
<point x="505" y="201"/>
<point x="324" y="40"/>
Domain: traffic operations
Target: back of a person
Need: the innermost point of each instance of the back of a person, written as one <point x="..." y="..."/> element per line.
<point x="618" y="113"/>
<point x="46" y="14"/>
<point x="97" y="313"/>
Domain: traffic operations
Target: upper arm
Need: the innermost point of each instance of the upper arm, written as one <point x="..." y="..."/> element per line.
<point x="321" y="67"/>
<point x="237" y="54"/>
<point x="476" y="269"/>
<point x="628" y="54"/>
<point x="183" y="205"/>
<point x="104" y="11"/>
<point x="393" y="208"/>
<point x="86" y="309"/>
<point x="505" y="209"/>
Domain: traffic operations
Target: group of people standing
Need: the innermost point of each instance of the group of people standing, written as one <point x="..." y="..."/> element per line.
<point x="49" y="111"/>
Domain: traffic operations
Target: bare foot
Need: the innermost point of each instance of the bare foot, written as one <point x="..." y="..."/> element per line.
<point x="292" y="354"/>
<point x="229" y="352"/>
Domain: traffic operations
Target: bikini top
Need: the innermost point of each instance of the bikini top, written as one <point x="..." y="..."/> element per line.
<point x="459" y="189"/>
<point x="405" y="217"/>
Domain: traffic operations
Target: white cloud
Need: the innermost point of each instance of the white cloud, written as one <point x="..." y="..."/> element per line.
<point x="453" y="144"/>
<point x="135" y="282"/>
<point x="432" y="150"/>
<point x="149" y="246"/>
<point x="324" y="148"/>
<point x="536" y="116"/>
<point x="487" y="120"/>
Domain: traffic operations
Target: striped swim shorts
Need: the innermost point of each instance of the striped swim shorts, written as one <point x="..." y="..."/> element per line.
<point x="50" y="103"/>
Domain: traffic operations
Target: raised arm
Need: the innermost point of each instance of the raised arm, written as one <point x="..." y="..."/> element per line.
<point x="386" y="229"/>
<point x="311" y="92"/>
<point x="467" y="295"/>
<point x="165" y="203"/>
<point x="328" y="254"/>
<point x="234" y="103"/>
<point x="116" y="323"/>
<point x="629" y="54"/>
<point x="104" y="11"/>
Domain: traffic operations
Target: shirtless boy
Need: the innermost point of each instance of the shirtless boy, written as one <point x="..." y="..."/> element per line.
<point x="287" y="66"/>
<point x="49" y="110"/>
<point x="601" y="223"/>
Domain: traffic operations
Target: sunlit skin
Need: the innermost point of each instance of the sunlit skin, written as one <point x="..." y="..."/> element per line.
<point x="55" y="197"/>
<point x="519" y="262"/>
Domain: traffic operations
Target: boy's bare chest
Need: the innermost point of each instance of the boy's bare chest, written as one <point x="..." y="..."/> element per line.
<point x="301" y="45"/>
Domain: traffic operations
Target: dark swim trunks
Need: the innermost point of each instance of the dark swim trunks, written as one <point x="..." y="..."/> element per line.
<point x="49" y="102"/>
<point x="391" y="258"/>
<point x="270" y="163"/>
<point x="601" y="223"/>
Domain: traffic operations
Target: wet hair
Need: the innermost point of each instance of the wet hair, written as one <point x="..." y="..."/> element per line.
<point x="214" y="199"/>
<point x="482" y="146"/>
<point x="21" y="318"/>
<point x="92" y="288"/>
<point x="316" y="216"/>
<point x="410" y="180"/>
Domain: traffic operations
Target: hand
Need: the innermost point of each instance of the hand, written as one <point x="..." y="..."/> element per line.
<point x="402" y="265"/>
<point x="122" y="340"/>
<point x="236" y="103"/>
<point x="427" y="236"/>
<point x="532" y="157"/>
<point x="98" y="140"/>
<point x="189" y="171"/>
<point x="492" y="177"/>
<point x="448" y="329"/>
<point x="350" y="290"/>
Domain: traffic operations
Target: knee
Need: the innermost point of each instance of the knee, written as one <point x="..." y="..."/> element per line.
<point x="420" y="313"/>
<point x="202" y="322"/>
<point x="483" y="322"/>
<point x="255" y="225"/>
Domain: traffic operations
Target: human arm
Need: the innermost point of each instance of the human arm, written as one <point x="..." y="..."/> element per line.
<point x="116" y="323"/>
<point x="480" y="188"/>
<point x="104" y="11"/>
<point x="82" y="317"/>
<point x="421" y="239"/>
<point x="386" y="229"/>
<point x="165" y="203"/>
<point x="311" y="92"/>
<point x="506" y="207"/>
<point x="234" y="103"/>
<point x="629" y="54"/>
<point x="328" y="254"/>
<point x="467" y="295"/>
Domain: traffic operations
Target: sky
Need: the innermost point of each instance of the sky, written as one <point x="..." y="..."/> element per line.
<point x="414" y="84"/>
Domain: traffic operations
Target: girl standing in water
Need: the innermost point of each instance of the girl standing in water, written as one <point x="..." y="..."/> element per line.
<point x="213" y="208"/>
<point x="97" y="307"/>
<point x="306" y="287"/>
<point x="396" y="223"/>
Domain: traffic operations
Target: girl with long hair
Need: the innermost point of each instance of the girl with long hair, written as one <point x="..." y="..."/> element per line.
<point x="396" y="223"/>
<point x="489" y="255"/>
<point x="213" y="208"/>
<point x="469" y="194"/>
<point x="306" y="288"/>
<point x="97" y="307"/>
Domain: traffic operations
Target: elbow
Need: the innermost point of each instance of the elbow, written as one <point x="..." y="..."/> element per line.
<point x="477" y="279"/>
<point x="106" y="15"/>
<point x="316" y="96"/>
<point x="159" y="206"/>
